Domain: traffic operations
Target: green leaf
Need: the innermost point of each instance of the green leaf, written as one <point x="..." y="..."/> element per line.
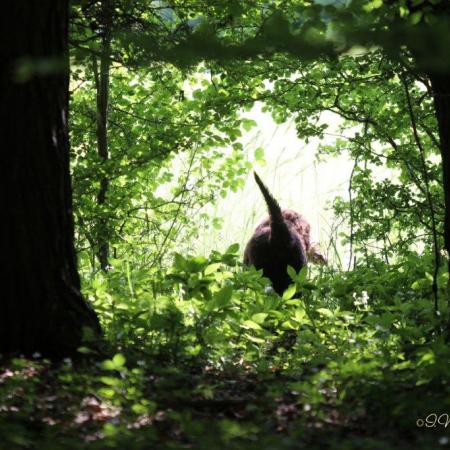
<point x="427" y="358"/>
<point x="110" y="381"/>
<point x="259" y="317"/>
<point x="373" y="4"/>
<point x="179" y="262"/>
<point x="107" y="392"/>
<point x="138" y="408"/>
<point x="196" y="264"/>
<point x="251" y="325"/>
<point x="248" y="124"/>
<point x="325" y="312"/>
<point x="292" y="273"/>
<point x="299" y="315"/>
<point x="404" y="11"/>
<point x="222" y="298"/>
<point x="212" y="268"/>
<point x="403" y="365"/>
<point x="108" y="365"/>
<point x="255" y="339"/>
<point x="289" y="292"/>
<point x="289" y="325"/>
<point x="259" y="154"/>
<point x="303" y="274"/>
<point x="416" y="17"/>
<point x="119" y="360"/>
<point x="233" y="248"/>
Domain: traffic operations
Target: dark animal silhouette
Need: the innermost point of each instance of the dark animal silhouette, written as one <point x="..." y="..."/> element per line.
<point x="276" y="243"/>
<point x="303" y="228"/>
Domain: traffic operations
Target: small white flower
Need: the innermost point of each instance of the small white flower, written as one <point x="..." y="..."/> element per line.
<point x="268" y="290"/>
<point x="362" y="300"/>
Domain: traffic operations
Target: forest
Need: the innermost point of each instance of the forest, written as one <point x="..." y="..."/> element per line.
<point x="226" y="224"/>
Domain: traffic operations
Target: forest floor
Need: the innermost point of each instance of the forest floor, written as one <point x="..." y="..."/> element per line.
<point x="185" y="405"/>
<point x="208" y="359"/>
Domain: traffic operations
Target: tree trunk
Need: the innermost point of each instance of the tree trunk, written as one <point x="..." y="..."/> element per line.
<point x="102" y="89"/>
<point x="41" y="308"/>
<point x="441" y="91"/>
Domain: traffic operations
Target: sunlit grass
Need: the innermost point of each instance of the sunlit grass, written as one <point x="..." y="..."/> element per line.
<point x="295" y="177"/>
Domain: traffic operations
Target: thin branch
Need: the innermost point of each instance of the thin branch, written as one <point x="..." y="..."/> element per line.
<point x="437" y="259"/>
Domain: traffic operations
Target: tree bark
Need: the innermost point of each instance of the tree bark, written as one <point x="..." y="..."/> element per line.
<point x="102" y="89"/>
<point x="41" y="307"/>
<point x="441" y="90"/>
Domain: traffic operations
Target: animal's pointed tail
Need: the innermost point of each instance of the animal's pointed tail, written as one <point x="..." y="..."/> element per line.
<point x="280" y="231"/>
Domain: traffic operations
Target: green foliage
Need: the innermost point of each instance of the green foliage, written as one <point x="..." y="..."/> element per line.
<point x="166" y="157"/>
<point x="197" y="352"/>
<point x="204" y="334"/>
<point x="395" y="195"/>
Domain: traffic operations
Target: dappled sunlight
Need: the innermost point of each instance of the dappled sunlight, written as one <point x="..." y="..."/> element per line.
<point x="292" y="172"/>
<point x="226" y="225"/>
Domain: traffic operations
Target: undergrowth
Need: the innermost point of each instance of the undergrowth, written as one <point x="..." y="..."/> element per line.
<point x="206" y="355"/>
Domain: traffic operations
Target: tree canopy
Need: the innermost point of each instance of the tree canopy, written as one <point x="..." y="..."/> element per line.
<point x="197" y="350"/>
